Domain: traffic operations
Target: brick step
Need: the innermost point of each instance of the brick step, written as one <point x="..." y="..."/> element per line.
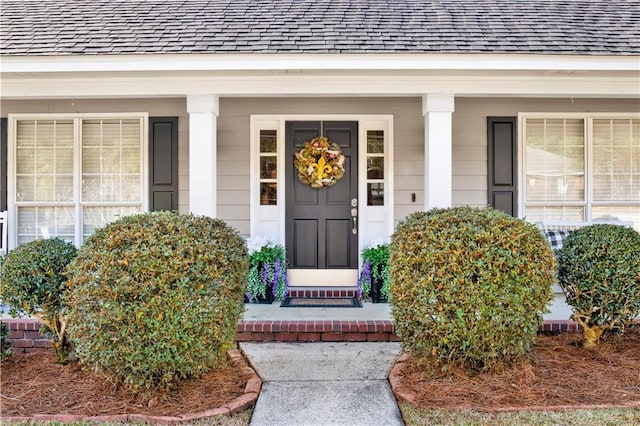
<point x="316" y="331"/>
<point x="322" y="292"/>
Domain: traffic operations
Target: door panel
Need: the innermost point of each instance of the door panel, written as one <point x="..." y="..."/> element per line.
<point x="305" y="254"/>
<point x="330" y="243"/>
<point x="338" y="256"/>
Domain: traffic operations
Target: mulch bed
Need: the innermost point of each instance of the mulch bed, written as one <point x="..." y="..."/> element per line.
<point x="559" y="374"/>
<point x="34" y="383"/>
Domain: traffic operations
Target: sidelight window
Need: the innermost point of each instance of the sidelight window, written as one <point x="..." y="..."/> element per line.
<point x="375" y="167"/>
<point x="268" y="164"/>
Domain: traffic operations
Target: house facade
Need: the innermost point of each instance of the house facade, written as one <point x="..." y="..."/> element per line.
<point x="115" y="108"/>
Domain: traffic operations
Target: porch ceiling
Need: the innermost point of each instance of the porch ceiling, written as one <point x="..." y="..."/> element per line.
<point x="320" y="75"/>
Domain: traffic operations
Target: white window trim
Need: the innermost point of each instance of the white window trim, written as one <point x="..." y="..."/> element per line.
<point x="588" y="118"/>
<point x="77" y="118"/>
<point x="374" y="221"/>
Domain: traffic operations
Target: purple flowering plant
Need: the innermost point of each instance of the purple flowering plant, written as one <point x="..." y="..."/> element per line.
<point x="267" y="270"/>
<point x="375" y="266"/>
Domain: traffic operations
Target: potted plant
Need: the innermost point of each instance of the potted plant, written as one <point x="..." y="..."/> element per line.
<point x="374" y="278"/>
<point x="267" y="271"/>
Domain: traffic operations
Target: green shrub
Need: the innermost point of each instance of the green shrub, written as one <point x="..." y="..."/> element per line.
<point x="5" y="346"/>
<point x="599" y="271"/>
<point x="156" y="297"/>
<point x="33" y="282"/>
<point x="469" y="285"/>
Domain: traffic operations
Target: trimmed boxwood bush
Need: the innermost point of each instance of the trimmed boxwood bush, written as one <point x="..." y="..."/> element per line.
<point x="599" y="271"/>
<point x="469" y="285"/>
<point x="33" y="282"/>
<point x="5" y="346"/>
<point x="156" y="297"/>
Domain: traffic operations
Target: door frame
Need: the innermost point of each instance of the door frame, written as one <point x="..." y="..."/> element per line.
<point x="374" y="221"/>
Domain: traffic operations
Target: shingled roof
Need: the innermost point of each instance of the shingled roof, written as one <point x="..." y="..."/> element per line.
<point x="93" y="27"/>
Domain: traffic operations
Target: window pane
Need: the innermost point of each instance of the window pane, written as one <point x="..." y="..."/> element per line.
<point x="268" y="141"/>
<point x="45" y="222"/>
<point x="26" y="133"/>
<point x="90" y="160"/>
<point x="375" y="141"/>
<point x="131" y="160"/>
<point x="268" y="167"/>
<point x="25" y="188"/>
<point x="131" y="133"/>
<point x="555" y="214"/>
<point x="64" y="160"/>
<point x="554" y="163"/>
<point x="44" y="188"/>
<point x="375" y="167"/>
<point x="268" y="194"/>
<point x="44" y="160"/>
<point x="90" y="188"/>
<point x="64" y="134"/>
<point x="614" y="160"/>
<point x="45" y="133"/>
<point x="535" y="132"/>
<point x="111" y="160"/>
<point x="627" y="214"/>
<point x="111" y="133"/>
<point x="91" y="133"/>
<point x="25" y="160"/>
<point x="130" y="186"/>
<point x="97" y="217"/>
<point x="375" y="194"/>
<point x="64" y="189"/>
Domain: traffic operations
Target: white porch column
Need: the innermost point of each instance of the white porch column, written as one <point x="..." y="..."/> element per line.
<point x="437" y="109"/>
<point x="203" y="124"/>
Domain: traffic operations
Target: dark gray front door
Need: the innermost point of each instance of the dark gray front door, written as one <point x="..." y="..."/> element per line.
<point x="319" y="224"/>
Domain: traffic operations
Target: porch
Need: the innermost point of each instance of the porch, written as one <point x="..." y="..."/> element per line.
<point x="271" y="323"/>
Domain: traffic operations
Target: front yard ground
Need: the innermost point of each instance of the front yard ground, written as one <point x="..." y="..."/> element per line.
<point x="559" y="374"/>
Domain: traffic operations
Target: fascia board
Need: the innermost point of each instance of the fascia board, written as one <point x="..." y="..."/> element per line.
<point x="542" y="86"/>
<point x="283" y="62"/>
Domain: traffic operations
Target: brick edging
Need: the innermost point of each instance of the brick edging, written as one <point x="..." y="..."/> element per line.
<point x="248" y="398"/>
<point x="24" y="333"/>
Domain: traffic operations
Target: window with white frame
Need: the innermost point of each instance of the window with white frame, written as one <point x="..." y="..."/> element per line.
<point x="375" y="167"/>
<point x="73" y="175"/>
<point x="579" y="168"/>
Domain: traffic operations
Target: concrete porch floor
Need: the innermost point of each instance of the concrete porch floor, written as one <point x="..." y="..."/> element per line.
<point x="369" y="311"/>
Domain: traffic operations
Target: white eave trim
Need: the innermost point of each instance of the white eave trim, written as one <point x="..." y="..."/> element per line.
<point x="261" y="62"/>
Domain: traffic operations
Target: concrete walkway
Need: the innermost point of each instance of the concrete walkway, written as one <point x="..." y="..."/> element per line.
<point x="324" y="383"/>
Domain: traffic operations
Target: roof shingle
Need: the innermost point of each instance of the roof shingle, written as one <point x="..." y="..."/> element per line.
<point x="92" y="27"/>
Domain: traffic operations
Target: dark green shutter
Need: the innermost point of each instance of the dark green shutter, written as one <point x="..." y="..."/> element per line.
<point x="163" y="163"/>
<point x="502" y="165"/>
<point x="3" y="164"/>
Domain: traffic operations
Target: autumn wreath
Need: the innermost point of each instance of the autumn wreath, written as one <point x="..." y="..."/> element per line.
<point x="320" y="163"/>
